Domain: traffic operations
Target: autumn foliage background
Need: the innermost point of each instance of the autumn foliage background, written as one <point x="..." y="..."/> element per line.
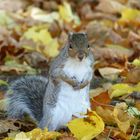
<point x="32" y="32"/>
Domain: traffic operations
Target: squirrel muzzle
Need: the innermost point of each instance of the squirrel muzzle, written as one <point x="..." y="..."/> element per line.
<point x="81" y="55"/>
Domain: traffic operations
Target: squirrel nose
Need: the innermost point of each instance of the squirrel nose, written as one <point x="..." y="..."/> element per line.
<point x="81" y="56"/>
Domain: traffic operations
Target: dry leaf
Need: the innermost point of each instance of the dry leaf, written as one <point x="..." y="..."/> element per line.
<point x="121" y="117"/>
<point x="88" y="128"/>
<point x="106" y="113"/>
<point x="67" y="15"/>
<point x="122" y="89"/>
<point x="110" y="73"/>
<point x="133" y="76"/>
<point x="110" y="6"/>
<point x="6" y="125"/>
<point x="130" y="14"/>
<point x="12" y="65"/>
<point x="40" y="15"/>
<point x="21" y="136"/>
<point x="45" y="43"/>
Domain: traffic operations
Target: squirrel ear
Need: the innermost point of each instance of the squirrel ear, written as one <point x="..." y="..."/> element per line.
<point x="85" y="34"/>
<point x="70" y="35"/>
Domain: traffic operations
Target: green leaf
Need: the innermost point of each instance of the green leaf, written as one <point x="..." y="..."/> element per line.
<point x="5" y="20"/>
<point x="134" y="112"/>
<point x="136" y="62"/>
<point x="2" y="82"/>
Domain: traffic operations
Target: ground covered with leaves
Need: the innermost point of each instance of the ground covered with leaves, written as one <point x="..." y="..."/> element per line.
<point x="32" y="32"/>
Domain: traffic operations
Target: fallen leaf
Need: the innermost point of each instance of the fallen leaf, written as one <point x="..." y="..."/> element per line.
<point x="136" y="62"/>
<point x="67" y="15"/>
<point x="36" y="133"/>
<point x="5" y="19"/>
<point x="21" y="136"/>
<point x="88" y="128"/>
<point x="109" y="73"/>
<point x="6" y="125"/>
<point x="12" y="65"/>
<point x="133" y="111"/>
<point x="102" y="98"/>
<point x="42" y="134"/>
<point x="40" y="15"/>
<point x="129" y="14"/>
<point x="121" y="117"/>
<point x="2" y="82"/>
<point x="133" y="75"/>
<point x="122" y="89"/>
<point x="110" y="6"/>
<point x="106" y="113"/>
<point x="125" y="52"/>
<point x="119" y="90"/>
<point x="112" y="53"/>
<point x="9" y="5"/>
<point x="45" y="43"/>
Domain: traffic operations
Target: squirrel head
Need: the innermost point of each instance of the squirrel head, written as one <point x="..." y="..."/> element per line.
<point x="78" y="46"/>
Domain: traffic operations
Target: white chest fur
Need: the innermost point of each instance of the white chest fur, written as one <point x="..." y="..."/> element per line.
<point x="70" y="101"/>
<point x="78" y="69"/>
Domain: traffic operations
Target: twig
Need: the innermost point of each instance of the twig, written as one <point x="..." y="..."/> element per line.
<point x="133" y="131"/>
<point x="109" y="134"/>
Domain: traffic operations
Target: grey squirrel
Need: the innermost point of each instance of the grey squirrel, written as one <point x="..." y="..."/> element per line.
<point x="52" y="101"/>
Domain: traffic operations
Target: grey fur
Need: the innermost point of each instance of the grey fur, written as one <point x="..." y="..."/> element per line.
<point x="25" y="96"/>
<point x="37" y="96"/>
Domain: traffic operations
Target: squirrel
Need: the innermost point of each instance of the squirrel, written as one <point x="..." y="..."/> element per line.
<point x="52" y="101"/>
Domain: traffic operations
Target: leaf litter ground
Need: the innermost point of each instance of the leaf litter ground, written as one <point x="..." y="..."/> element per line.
<point x="33" y="32"/>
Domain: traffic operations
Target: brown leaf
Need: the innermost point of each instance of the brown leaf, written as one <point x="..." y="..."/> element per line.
<point x="112" y="54"/>
<point x="102" y="98"/>
<point x="106" y="113"/>
<point x="63" y="137"/>
<point x="121" y="117"/>
<point x="9" y="5"/>
<point x="5" y="125"/>
<point x="110" y="6"/>
<point x="133" y="76"/>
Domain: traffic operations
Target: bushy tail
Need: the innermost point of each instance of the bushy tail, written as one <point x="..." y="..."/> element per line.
<point x="25" y="96"/>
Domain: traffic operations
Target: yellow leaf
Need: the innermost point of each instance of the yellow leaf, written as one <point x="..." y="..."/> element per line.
<point x="130" y="14"/>
<point x="86" y="128"/>
<point x="66" y="13"/>
<point x="52" y="51"/>
<point x="137" y="87"/>
<point x="122" y="89"/>
<point x="119" y="90"/>
<point x="136" y="62"/>
<point x="21" y="136"/>
<point x="42" y="134"/>
<point x="44" y="42"/>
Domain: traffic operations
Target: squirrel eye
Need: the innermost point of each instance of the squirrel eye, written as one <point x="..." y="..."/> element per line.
<point x="88" y="46"/>
<point x="70" y="46"/>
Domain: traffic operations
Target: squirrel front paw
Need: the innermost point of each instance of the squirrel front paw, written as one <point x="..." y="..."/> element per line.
<point x="76" y="84"/>
<point x="76" y="87"/>
<point x="80" y="85"/>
